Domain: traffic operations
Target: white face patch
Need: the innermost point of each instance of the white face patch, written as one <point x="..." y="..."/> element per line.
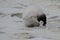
<point x="41" y="23"/>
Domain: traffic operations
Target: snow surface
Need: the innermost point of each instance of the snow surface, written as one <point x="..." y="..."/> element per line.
<point x="12" y="26"/>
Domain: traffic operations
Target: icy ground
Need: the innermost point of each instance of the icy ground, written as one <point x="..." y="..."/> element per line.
<point x="12" y="26"/>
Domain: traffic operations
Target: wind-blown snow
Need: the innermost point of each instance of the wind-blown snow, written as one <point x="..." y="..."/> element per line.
<point x="12" y="26"/>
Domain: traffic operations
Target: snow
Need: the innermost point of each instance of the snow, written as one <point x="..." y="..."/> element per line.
<point x="12" y="27"/>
